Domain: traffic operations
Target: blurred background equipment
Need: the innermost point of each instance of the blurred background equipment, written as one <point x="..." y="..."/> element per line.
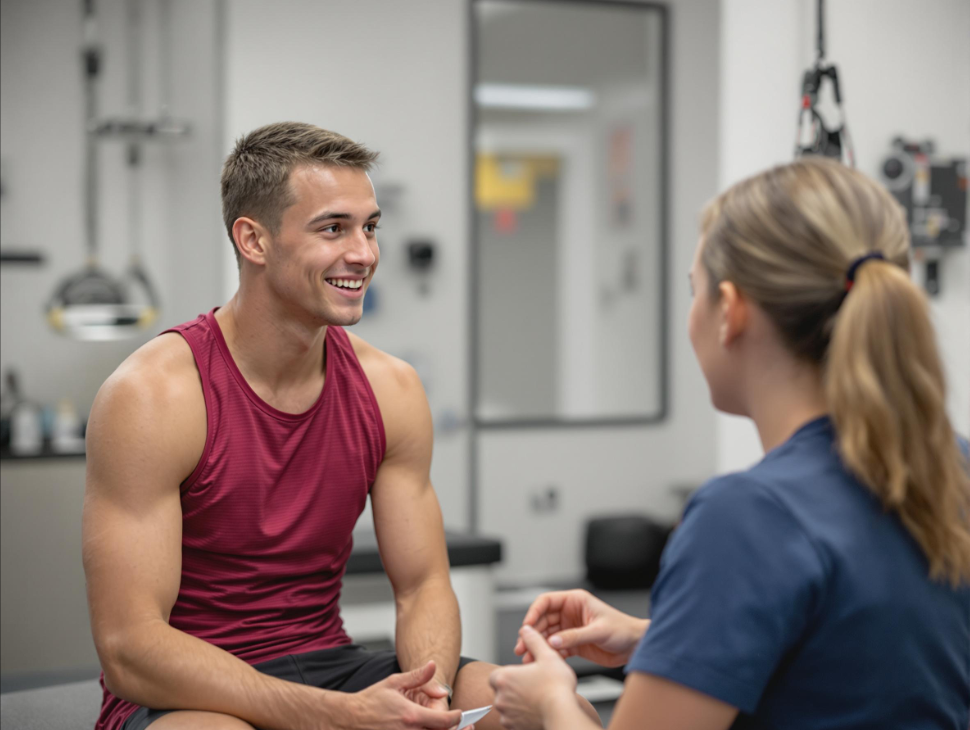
<point x="421" y="260"/>
<point x="623" y="551"/>
<point x="15" y="256"/>
<point x="815" y="136"/>
<point x="934" y="192"/>
<point x="92" y="304"/>
<point x="932" y="189"/>
<point x="21" y="425"/>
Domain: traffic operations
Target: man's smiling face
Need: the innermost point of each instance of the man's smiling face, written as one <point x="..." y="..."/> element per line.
<point x="325" y="253"/>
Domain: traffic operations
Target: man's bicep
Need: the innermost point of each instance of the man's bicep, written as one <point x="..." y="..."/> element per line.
<point x="132" y="515"/>
<point x="407" y="517"/>
<point x="410" y="533"/>
<point x="132" y="562"/>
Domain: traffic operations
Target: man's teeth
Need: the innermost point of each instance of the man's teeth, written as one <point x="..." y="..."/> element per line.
<point x="347" y="283"/>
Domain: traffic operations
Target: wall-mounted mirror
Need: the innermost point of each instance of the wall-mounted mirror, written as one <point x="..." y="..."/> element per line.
<point x="569" y="199"/>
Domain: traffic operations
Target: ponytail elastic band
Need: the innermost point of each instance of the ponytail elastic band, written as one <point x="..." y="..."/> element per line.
<point x="854" y="266"/>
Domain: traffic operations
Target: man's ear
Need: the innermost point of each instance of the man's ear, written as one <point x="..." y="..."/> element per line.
<point x="251" y="240"/>
<point x="733" y="306"/>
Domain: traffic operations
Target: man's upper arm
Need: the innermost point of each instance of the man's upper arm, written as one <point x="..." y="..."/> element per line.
<point x="407" y="517"/>
<point x="142" y="436"/>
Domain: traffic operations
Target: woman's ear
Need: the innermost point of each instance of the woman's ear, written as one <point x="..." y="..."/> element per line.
<point x="733" y="308"/>
<point x="250" y="238"/>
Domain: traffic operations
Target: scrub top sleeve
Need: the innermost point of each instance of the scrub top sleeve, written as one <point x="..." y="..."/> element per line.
<point x="738" y="585"/>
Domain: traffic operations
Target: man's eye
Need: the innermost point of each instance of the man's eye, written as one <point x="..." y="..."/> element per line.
<point x="332" y="229"/>
<point x="371" y="227"/>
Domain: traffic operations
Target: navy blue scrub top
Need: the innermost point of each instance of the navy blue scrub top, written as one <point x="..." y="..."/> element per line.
<point x="789" y="593"/>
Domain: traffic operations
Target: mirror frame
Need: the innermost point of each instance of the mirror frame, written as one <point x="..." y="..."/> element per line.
<point x="662" y="412"/>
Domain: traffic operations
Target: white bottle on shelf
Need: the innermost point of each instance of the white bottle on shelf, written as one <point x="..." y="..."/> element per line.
<point x="26" y="432"/>
<point x="66" y="434"/>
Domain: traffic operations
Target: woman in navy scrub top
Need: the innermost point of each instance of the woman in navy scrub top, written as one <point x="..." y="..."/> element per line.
<point x="829" y="585"/>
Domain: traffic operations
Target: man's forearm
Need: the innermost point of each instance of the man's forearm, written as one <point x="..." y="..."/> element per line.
<point x="429" y="627"/>
<point x="161" y="667"/>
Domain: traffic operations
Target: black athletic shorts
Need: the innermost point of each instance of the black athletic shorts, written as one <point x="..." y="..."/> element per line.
<point x="348" y="668"/>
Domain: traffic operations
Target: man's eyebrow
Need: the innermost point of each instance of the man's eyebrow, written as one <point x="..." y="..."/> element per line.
<point x="329" y="215"/>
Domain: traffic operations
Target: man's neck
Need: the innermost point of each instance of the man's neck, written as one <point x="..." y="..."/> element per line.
<point x="270" y="347"/>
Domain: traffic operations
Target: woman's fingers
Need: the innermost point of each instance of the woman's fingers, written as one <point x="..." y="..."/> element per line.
<point x="536" y="645"/>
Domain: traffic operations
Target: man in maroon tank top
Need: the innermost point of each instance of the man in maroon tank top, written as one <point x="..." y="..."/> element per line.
<point x="228" y="461"/>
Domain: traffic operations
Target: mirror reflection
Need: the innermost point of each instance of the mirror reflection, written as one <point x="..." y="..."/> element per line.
<point x="569" y="223"/>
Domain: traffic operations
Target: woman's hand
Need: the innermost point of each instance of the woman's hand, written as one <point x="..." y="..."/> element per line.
<point x="431" y="694"/>
<point x="526" y="696"/>
<point x="578" y="624"/>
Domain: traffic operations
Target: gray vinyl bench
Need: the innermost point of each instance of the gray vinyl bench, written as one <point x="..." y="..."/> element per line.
<point x="72" y="706"/>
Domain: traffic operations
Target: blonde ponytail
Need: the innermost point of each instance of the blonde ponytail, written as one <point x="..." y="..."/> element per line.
<point x="884" y="384"/>
<point x="786" y="238"/>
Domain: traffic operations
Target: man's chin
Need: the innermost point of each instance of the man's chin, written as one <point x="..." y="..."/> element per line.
<point x="342" y="319"/>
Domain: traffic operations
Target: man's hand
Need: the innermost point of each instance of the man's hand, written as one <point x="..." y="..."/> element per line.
<point x="526" y="696"/>
<point x="578" y="624"/>
<point x="387" y="704"/>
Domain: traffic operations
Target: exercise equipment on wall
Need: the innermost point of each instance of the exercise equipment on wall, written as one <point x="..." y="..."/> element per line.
<point x="814" y="136"/>
<point x="92" y="304"/>
<point x="933" y="191"/>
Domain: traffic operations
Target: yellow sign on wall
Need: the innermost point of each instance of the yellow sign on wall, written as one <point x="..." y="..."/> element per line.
<point x="510" y="181"/>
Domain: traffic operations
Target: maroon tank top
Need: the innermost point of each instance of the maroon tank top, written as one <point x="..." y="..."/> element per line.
<point x="268" y="513"/>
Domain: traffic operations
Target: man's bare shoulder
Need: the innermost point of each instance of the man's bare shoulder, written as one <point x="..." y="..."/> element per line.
<point x="400" y="395"/>
<point x="392" y="375"/>
<point x="153" y="402"/>
<point x="162" y="370"/>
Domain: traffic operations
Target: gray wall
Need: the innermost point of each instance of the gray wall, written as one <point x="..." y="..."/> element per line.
<point x="44" y="630"/>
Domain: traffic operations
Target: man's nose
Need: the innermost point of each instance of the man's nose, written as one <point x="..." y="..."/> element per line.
<point x="361" y="252"/>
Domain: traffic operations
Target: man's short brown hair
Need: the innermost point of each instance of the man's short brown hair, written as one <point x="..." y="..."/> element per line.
<point x="255" y="177"/>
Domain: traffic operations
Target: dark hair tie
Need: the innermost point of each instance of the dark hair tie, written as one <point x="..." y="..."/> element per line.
<point x="854" y="266"/>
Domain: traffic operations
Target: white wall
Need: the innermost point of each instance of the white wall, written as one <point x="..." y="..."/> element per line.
<point x="904" y="68"/>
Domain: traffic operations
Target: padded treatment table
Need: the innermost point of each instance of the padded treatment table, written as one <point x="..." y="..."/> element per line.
<point x="72" y="706"/>
<point x="75" y="706"/>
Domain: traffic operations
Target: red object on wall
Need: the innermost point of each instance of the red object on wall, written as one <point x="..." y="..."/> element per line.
<point x="505" y="221"/>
